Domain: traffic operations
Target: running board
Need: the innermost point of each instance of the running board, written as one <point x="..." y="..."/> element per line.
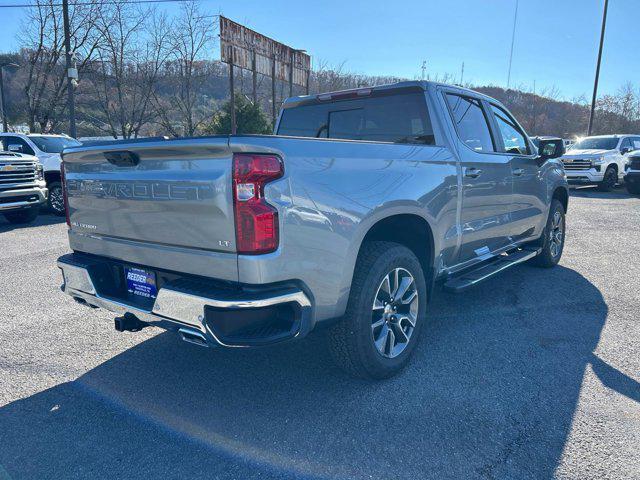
<point x="470" y="278"/>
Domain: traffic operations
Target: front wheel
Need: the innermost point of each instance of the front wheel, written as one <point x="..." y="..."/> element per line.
<point x="56" y="199"/>
<point x="385" y="313"/>
<point x="552" y="241"/>
<point x="27" y="215"/>
<point x="609" y="181"/>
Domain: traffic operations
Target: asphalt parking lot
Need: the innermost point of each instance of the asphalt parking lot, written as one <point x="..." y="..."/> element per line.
<point x="535" y="374"/>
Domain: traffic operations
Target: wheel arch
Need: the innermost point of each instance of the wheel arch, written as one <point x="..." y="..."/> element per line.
<point x="399" y="227"/>
<point x="561" y="194"/>
<point x="51" y="176"/>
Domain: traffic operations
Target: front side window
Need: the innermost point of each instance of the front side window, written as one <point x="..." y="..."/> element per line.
<point x="398" y="117"/>
<point x="470" y="122"/>
<point x="626" y="143"/>
<point x="512" y="137"/>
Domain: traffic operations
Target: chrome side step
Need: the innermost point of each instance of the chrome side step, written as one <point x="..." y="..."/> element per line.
<point x="487" y="270"/>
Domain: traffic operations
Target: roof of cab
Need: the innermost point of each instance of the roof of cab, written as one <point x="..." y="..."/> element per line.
<point x="301" y="99"/>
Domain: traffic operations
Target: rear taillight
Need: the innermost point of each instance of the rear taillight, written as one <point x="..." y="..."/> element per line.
<point x="64" y="194"/>
<point x="256" y="220"/>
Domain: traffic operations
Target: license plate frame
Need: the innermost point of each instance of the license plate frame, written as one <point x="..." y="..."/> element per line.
<point x="140" y="283"/>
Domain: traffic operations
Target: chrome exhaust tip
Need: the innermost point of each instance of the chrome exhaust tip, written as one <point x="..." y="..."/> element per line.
<point x="193" y="336"/>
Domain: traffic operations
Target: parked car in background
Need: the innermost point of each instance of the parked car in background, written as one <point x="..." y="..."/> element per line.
<point x="22" y="187"/>
<point x="599" y="160"/>
<point x="47" y="149"/>
<point x="632" y="176"/>
<point x="237" y="241"/>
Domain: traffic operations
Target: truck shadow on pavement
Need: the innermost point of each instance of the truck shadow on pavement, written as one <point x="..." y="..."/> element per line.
<point x="592" y="192"/>
<point x="490" y="393"/>
<point x="42" y="219"/>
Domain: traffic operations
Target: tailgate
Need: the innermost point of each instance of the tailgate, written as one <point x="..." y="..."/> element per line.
<point x="172" y="193"/>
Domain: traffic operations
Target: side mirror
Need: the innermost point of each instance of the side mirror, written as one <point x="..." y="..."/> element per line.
<point x="625" y="150"/>
<point x="15" y="148"/>
<point x="550" y="148"/>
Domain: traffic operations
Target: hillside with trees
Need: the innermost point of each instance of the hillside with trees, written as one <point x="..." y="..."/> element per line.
<point x="142" y="73"/>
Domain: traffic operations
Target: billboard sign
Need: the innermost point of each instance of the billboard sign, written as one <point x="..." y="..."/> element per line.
<point x="241" y="47"/>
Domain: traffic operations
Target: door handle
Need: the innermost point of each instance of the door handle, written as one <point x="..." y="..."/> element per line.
<point x="472" y="172"/>
<point x="518" y="171"/>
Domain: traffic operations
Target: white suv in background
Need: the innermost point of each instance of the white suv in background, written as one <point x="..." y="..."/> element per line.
<point x="47" y="149"/>
<point x="599" y="160"/>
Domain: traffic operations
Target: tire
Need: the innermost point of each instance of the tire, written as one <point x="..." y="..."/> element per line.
<point x="22" y="216"/>
<point x="633" y="189"/>
<point x="552" y="240"/>
<point x="55" y="202"/>
<point x="609" y="181"/>
<point x="352" y="340"/>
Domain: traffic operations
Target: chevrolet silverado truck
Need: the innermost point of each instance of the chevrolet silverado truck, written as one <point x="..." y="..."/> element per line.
<point x="47" y="148"/>
<point x="348" y="217"/>
<point x="22" y="187"/>
<point x="599" y="160"/>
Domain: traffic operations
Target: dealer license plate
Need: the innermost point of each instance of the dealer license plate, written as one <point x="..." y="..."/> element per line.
<point x="140" y="282"/>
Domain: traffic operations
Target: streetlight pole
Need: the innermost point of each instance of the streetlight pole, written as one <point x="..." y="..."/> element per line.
<point x="71" y="72"/>
<point x="5" y="126"/>
<point x="595" y="83"/>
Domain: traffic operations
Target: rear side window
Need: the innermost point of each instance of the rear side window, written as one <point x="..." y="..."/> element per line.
<point x="399" y="118"/>
<point x="513" y="139"/>
<point x="471" y="122"/>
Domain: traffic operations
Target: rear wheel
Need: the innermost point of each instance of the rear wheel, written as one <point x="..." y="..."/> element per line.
<point x="56" y="199"/>
<point x="385" y="314"/>
<point x="552" y="240"/>
<point x="609" y="181"/>
<point x="27" y="215"/>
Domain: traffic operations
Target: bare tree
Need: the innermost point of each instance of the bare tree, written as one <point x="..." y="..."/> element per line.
<point x="185" y="111"/>
<point x="129" y="60"/>
<point x="43" y="57"/>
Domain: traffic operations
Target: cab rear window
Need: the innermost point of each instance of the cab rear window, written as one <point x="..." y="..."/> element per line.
<point x="399" y="118"/>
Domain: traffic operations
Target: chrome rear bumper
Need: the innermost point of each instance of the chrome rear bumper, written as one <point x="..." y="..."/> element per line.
<point x="192" y="314"/>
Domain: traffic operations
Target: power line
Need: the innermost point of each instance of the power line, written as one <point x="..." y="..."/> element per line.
<point x="80" y="4"/>
<point x="513" y="38"/>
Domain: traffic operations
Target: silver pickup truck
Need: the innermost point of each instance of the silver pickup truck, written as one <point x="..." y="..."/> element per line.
<point x="346" y="218"/>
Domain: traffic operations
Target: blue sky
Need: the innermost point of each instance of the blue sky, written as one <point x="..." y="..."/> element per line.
<point x="556" y="40"/>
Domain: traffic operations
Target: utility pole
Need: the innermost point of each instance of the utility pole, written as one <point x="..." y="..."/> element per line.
<point x="424" y="69"/>
<point x="595" y="83"/>
<point x="72" y="73"/>
<point x="513" y="39"/>
<point x="5" y="127"/>
<point x="462" y="75"/>
<point x="3" y="103"/>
